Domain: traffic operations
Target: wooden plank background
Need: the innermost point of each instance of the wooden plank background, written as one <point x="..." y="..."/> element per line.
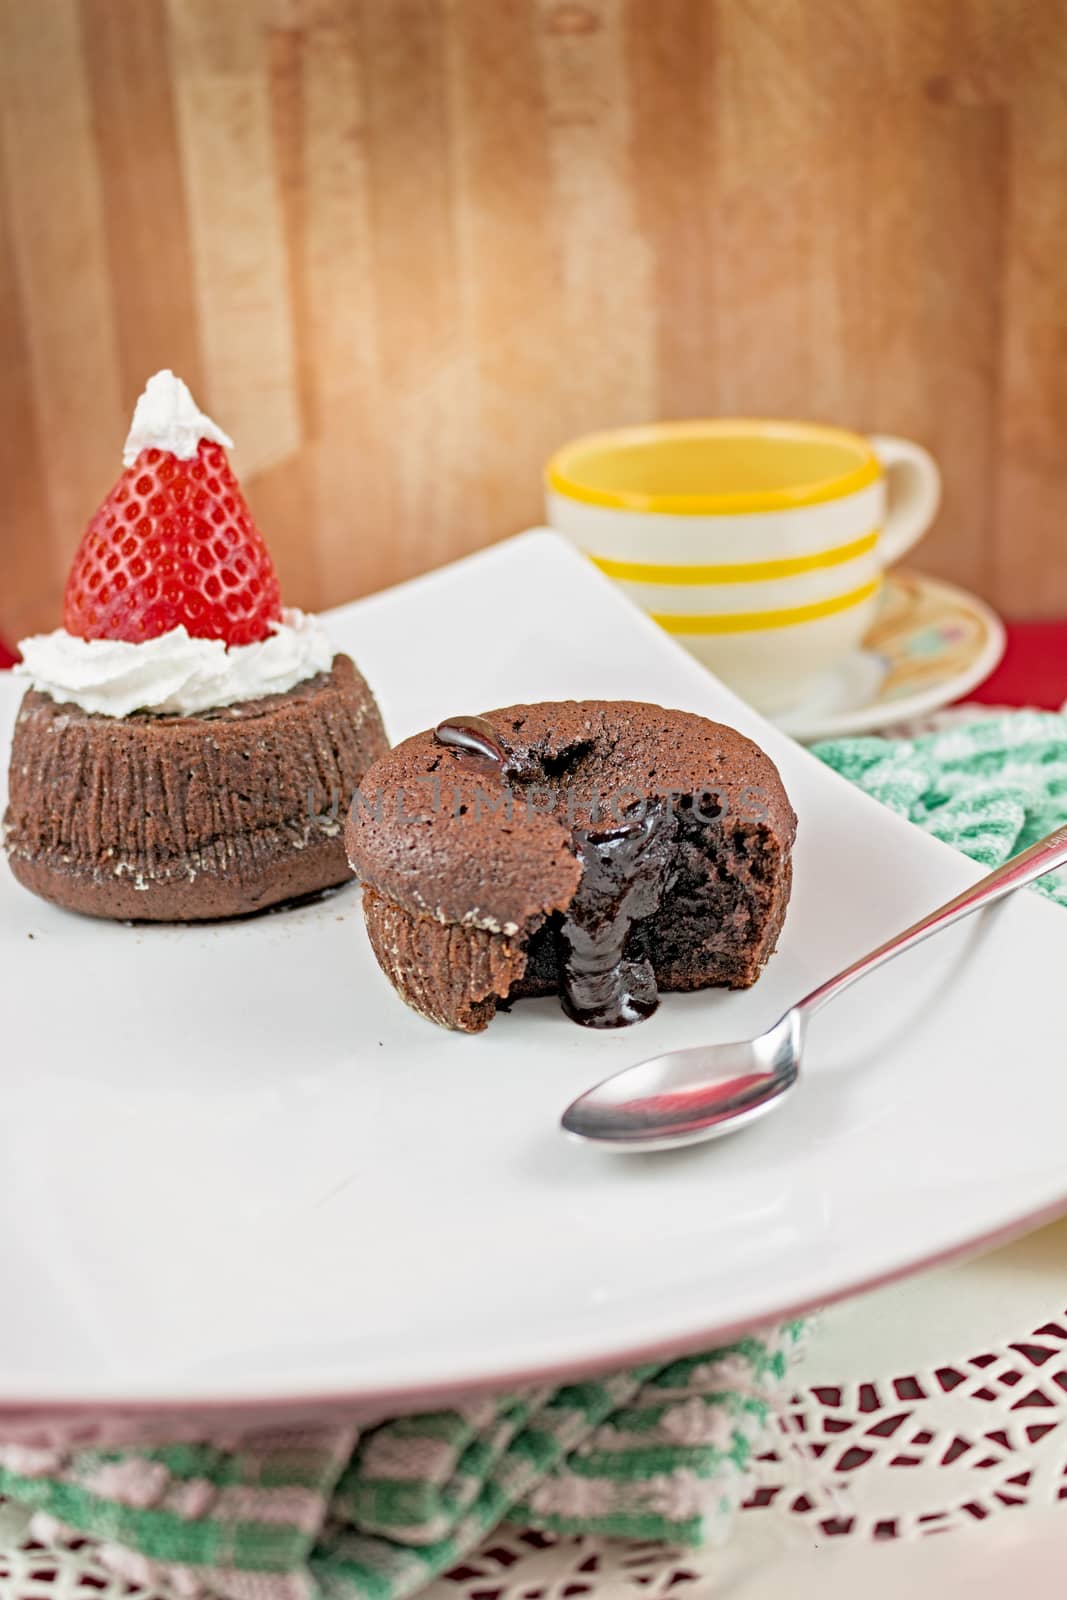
<point x="402" y="248"/>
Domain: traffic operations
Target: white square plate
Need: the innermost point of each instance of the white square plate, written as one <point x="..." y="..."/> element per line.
<point x="235" y="1168"/>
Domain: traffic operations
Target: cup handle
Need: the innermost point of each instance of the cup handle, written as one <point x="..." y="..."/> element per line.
<point x="914" y="485"/>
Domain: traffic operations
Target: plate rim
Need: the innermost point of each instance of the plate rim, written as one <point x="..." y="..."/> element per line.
<point x="418" y="1396"/>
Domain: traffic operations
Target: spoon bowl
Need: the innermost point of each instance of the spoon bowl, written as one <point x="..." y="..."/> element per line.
<point x="686" y="1096"/>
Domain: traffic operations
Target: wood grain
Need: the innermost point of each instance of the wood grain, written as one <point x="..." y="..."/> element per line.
<point x="403" y="248"/>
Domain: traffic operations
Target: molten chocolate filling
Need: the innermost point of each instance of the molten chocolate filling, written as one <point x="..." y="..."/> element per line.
<point x="625" y="872"/>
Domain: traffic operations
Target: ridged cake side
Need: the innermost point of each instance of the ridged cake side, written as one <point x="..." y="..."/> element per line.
<point x="184" y="818"/>
<point x="451" y="973"/>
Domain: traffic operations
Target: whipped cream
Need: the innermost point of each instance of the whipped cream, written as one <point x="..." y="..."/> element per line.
<point x="167" y="417"/>
<point x="174" y="672"/>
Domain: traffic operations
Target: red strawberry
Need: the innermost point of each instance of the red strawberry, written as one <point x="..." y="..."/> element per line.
<point x="174" y="542"/>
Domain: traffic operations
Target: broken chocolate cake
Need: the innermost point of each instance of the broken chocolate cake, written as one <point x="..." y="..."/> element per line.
<point x="601" y="850"/>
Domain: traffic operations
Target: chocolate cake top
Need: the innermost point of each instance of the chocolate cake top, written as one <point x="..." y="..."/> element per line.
<point x="450" y="829"/>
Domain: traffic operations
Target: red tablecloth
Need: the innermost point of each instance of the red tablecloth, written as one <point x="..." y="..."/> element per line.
<point x="1033" y="672"/>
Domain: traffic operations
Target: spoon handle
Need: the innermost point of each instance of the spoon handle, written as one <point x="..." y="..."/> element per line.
<point x="1017" y="871"/>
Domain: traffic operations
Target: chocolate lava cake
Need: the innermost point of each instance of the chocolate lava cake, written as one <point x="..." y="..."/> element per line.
<point x="185" y="744"/>
<point x="171" y="818"/>
<point x="601" y="850"/>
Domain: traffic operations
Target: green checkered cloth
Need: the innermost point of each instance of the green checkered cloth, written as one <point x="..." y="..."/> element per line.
<point x="990" y="787"/>
<point x="325" y="1512"/>
<point x="320" y="1511"/>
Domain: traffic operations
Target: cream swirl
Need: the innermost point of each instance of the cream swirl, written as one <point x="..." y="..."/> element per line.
<point x="174" y="672"/>
<point x="167" y="417"/>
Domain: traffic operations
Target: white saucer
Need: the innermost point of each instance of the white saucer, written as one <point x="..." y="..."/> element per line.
<point x="928" y="646"/>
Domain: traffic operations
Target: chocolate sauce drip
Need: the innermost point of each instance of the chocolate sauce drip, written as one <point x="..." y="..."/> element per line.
<point x="624" y="870"/>
<point x="472" y="736"/>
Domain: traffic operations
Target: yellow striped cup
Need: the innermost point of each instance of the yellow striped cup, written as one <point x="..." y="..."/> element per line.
<point x="759" y="545"/>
